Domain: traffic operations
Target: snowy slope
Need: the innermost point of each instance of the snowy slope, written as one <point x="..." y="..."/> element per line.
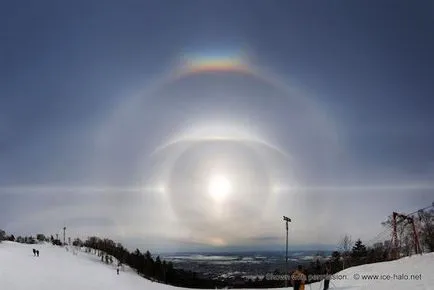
<point x="416" y="272"/>
<point x="59" y="269"/>
<point x="56" y="268"/>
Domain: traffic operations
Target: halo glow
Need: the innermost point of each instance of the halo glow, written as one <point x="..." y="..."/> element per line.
<point x="219" y="187"/>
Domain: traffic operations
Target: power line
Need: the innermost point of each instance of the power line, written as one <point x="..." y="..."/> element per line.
<point x="377" y="237"/>
<point x="389" y="227"/>
<point x="422" y="209"/>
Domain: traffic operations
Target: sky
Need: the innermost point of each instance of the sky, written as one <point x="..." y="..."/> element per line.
<point x="197" y="125"/>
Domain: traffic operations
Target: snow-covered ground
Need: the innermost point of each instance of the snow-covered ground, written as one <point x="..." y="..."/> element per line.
<point x="57" y="268"/>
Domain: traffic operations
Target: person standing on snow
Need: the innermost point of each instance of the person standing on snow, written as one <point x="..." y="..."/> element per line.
<point x="117" y="270"/>
<point x="328" y="272"/>
<point x="298" y="278"/>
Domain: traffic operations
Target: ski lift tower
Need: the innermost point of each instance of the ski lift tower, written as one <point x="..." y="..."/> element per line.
<point x="286" y="220"/>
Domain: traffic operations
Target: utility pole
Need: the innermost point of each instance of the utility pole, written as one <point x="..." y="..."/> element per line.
<point x="286" y="219"/>
<point x="64" y="235"/>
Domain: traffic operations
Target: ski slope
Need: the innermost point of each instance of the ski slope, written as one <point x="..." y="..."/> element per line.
<point x="57" y="268"/>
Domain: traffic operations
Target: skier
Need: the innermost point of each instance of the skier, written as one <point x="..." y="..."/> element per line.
<point x="117" y="270"/>
<point x="34" y="252"/>
<point x="328" y="272"/>
<point x="298" y="278"/>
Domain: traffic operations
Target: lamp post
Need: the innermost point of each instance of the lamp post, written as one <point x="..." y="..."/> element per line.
<point x="286" y="220"/>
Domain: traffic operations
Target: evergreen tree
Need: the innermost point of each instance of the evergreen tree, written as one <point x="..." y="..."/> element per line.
<point x="359" y="250"/>
<point x="158" y="269"/>
<point x="336" y="256"/>
<point x="144" y="264"/>
<point x="77" y="242"/>
<point x="149" y="264"/>
<point x="40" y="237"/>
<point x="136" y="260"/>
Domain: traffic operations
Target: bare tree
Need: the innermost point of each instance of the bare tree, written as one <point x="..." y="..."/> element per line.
<point x="345" y="246"/>
<point x="426" y="219"/>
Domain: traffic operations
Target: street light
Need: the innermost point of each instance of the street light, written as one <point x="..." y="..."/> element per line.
<point x="286" y="220"/>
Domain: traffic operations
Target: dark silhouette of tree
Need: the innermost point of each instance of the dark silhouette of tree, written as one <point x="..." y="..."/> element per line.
<point x="144" y="264"/>
<point x="57" y="242"/>
<point x="2" y="235"/>
<point x="359" y="250"/>
<point x="40" y="237"/>
<point x="336" y="263"/>
<point x="77" y="243"/>
<point x="158" y="269"/>
<point x="336" y="256"/>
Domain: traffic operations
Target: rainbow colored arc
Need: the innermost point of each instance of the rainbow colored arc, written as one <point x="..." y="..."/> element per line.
<point x="201" y="64"/>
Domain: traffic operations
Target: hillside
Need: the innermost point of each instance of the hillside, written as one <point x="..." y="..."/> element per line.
<point x="56" y="267"/>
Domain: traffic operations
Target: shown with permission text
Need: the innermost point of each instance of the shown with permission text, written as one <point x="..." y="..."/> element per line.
<point x="355" y="276"/>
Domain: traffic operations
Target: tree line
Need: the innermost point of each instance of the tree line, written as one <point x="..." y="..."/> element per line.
<point x="154" y="269"/>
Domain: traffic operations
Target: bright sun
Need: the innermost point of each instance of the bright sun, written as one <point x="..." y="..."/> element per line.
<point x="219" y="187"/>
